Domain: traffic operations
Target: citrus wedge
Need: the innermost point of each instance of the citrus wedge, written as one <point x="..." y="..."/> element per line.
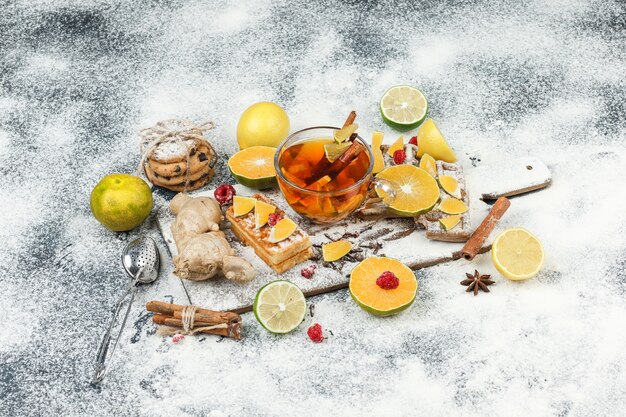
<point x="243" y="205"/>
<point x="375" y="299"/>
<point x="517" y="254"/>
<point x="336" y="250"/>
<point x="397" y="145"/>
<point x="279" y="307"/>
<point x="428" y="164"/>
<point x="431" y="141"/>
<point x="416" y="191"/>
<point x="254" y="167"/>
<point x="450" y="185"/>
<point x="334" y="151"/>
<point x="450" y="222"/>
<point x="403" y="107"/>
<point x="453" y="206"/>
<point x="379" y="161"/>
<point x="343" y="134"/>
<point x="262" y="212"/>
<point x="283" y="229"/>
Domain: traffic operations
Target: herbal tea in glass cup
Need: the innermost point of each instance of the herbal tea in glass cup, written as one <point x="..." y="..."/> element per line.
<point x="311" y="184"/>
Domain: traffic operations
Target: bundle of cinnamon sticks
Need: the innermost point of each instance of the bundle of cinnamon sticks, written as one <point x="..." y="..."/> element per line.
<point x="204" y="321"/>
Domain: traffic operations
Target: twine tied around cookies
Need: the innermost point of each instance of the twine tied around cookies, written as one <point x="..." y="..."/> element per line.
<point x="178" y="131"/>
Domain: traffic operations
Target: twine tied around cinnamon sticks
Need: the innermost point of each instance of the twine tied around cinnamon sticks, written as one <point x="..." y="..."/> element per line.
<point x="191" y="320"/>
<point x="179" y="131"/>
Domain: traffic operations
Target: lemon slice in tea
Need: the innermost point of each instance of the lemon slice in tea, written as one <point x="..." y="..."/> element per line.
<point x="517" y="254"/>
<point x="403" y="107"/>
<point x="334" y="151"/>
<point x="254" y="167"/>
<point x="416" y="191"/>
<point x="279" y="307"/>
<point x="343" y="134"/>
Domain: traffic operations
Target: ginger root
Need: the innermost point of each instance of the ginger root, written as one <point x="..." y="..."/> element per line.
<point x="203" y="250"/>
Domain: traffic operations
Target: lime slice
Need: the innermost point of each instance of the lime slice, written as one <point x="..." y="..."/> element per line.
<point x="334" y="151"/>
<point x="279" y="306"/>
<point x="403" y="107"/>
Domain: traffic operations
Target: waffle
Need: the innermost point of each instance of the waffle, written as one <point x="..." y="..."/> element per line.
<point x="279" y="256"/>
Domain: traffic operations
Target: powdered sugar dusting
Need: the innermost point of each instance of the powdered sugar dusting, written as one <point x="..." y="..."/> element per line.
<point x="504" y="80"/>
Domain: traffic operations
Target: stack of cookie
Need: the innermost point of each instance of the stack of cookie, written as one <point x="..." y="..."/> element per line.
<point x="180" y="165"/>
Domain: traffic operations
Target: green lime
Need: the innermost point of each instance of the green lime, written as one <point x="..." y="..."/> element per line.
<point x="403" y="107"/>
<point x="121" y="202"/>
<point x="279" y="306"/>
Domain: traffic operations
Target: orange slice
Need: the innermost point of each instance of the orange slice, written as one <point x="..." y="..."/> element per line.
<point x="243" y="205"/>
<point x="431" y="141"/>
<point x="416" y="191"/>
<point x="379" y="161"/>
<point x="450" y="185"/>
<point x="254" y="167"/>
<point x="283" y="229"/>
<point x="376" y="300"/>
<point x="428" y="164"/>
<point x="450" y="222"/>
<point x="453" y="206"/>
<point x="398" y="144"/>
<point x="262" y="212"/>
<point x="336" y="250"/>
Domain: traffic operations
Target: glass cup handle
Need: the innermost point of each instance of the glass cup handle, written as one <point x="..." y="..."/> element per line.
<point x="388" y="189"/>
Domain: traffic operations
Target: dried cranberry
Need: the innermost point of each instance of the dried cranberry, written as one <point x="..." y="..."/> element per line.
<point x="399" y="156"/>
<point x="413" y="140"/>
<point x="315" y="333"/>
<point x="224" y="194"/>
<point x="275" y="218"/>
<point x="388" y="281"/>
<point x="308" y="271"/>
<point x="177" y="338"/>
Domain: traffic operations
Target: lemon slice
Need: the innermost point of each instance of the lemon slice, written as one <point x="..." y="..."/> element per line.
<point x="397" y="145"/>
<point x="450" y="222"/>
<point x="243" y="205"/>
<point x="450" y="185"/>
<point x="379" y="161"/>
<point x="428" y="164"/>
<point x="416" y="191"/>
<point x="279" y="307"/>
<point x="343" y="134"/>
<point x="334" y="151"/>
<point x="403" y="107"/>
<point x="453" y="206"/>
<point x="262" y="212"/>
<point x="254" y="167"/>
<point x="336" y="250"/>
<point x="517" y="254"/>
<point x="283" y="229"/>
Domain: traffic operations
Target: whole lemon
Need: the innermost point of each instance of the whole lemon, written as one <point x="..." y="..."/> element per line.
<point x="121" y="202"/>
<point x="262" y="124"/>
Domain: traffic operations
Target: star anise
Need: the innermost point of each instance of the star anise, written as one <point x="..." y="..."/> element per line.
<point x="476" y="281"/>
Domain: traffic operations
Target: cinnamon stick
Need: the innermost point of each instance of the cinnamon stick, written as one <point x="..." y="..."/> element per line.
<point x="339" y="165"/>
<point x="476" y="240"/>
<point x="231" y="330"/>
<point x="170" y="310"/>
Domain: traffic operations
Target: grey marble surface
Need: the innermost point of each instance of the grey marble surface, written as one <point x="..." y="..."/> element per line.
<point x="78" y="79"/>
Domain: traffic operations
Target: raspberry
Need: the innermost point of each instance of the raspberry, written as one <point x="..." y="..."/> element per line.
<point x="399" y="156"/>
<point x="308" y="271"/>
<point x="224" y="194"/>
<point x="274" y="218"/>
<point x="413" y="140"/>
<point x="388" y="281"/>
<point x="315" y="333"/>
<point x="177" y="338"/>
